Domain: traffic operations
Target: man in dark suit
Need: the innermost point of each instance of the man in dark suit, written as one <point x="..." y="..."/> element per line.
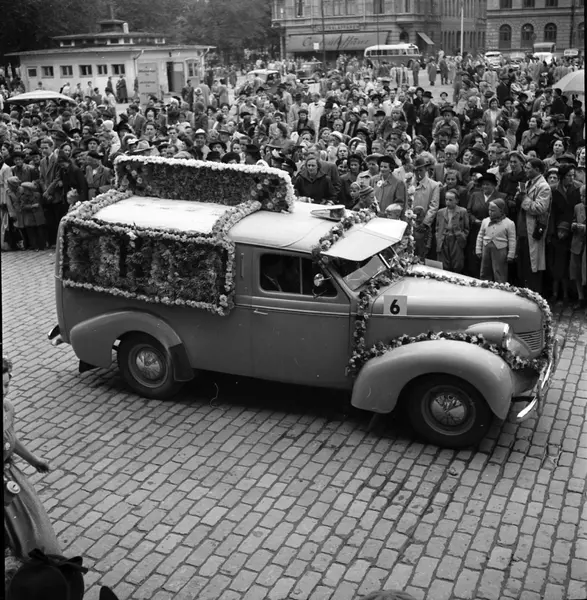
<point x="450" y="162"/>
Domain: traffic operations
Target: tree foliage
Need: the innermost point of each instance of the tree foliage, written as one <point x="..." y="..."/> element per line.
<point x="229" y="25"/>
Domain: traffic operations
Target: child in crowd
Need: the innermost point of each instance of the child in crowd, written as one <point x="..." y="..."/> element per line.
<point x="496" y="243"/>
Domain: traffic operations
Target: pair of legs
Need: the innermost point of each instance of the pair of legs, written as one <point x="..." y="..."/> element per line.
<point x="494" y="263"/>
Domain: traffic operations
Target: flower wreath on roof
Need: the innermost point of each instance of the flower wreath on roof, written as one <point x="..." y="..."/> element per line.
<point x="165" y="265"/>
<point x="401" y="263"/>
<point x="205" y="181"/>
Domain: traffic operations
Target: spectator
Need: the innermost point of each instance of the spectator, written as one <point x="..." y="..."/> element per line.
<point x="533" y="210"/>
<point x="496" y="243"/>
<point x="452" y="230"/>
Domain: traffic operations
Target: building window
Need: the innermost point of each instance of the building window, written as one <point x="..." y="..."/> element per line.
<point x="407" y="6"/>
<point x="551" y="3"/>
<point x="528" y="4"/>
<point x="299" y="8"/>
<point x="550" y="32"/>
<point x="580" y="35"/>
<point x="47" y="71"/>
<point x="66" y="71"/>
<point x="351" y="7"/>
<point x="527" y="35"/>
<point x="85" y="70"/>
<point x="102" y="69"/>
<point x="505" y="3"/>
<point x="378" y="7"/>
<point x="505" y="37"/>
<point x="32" y="71"/>
<point x="118" y="70"/>
<point x="114" y="41"/>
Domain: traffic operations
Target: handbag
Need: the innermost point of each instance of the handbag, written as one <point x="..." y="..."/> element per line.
<point x="540" y="225"/>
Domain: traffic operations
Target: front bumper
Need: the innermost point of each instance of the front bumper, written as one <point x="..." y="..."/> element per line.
<point x="541" y="387"/>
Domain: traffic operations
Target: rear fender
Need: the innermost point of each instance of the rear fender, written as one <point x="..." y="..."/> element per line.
<point x="92" y="340"/>
<point x="382" y="379"/>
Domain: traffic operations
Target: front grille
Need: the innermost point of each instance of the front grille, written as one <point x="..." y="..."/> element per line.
<point x="534" y="339"/>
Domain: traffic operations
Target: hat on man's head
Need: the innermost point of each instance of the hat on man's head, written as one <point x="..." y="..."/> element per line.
<point x="141" y="147"/>
<point x="48" y="577"/>
<point x="427" y="94"/>
<point x="447" y="108"/>
<point x="479" y="150"/>
<point x="421" y="161"/>
<point x="200" y="132"/>
<point x="252" y="149"/>
<point x="517" y="155"/>
<point x="487" y="176"/>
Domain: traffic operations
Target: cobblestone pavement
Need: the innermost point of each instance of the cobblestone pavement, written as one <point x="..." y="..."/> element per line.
<point x="242" y="490"/>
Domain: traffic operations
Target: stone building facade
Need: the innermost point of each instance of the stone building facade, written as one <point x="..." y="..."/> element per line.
<point x="516" y="25"/>
<point x="350" y="26"/>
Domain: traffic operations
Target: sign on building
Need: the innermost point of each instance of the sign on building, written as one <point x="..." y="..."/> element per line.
<point x="148" y="81"/>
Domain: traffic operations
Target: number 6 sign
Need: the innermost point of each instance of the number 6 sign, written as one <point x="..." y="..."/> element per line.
<point x="396" y="306"/>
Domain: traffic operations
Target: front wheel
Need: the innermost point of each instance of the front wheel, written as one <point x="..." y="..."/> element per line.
<point x="147" y="367"/>
<point x="448" y="411"/>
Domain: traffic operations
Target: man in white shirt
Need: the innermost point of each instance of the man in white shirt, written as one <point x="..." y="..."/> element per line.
<point x="316" y="109"/>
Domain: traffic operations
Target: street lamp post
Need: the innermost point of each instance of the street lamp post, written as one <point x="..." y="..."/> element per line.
<point x="323" y="35"/>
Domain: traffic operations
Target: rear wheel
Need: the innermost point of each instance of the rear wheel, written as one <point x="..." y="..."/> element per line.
<point x="448" y="411"/>
<point x="147" y="367"/>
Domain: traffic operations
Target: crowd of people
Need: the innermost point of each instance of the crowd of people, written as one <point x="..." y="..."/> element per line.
<point x="499" y="167"/>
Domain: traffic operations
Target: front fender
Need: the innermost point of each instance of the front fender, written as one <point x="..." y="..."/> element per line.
<point x="92" y="340"/>
<point x="382" y="379"/>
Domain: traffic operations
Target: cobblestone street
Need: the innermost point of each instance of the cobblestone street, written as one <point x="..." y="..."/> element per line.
<point x="245" y="490"/>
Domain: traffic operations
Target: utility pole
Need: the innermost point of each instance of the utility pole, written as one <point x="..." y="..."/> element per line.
<point x="462" y="24"/>
<point x="323" y="36"/>
<point x="572" y="35"/>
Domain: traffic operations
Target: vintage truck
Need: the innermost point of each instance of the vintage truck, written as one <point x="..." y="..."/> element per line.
<point x="257" y="303"/>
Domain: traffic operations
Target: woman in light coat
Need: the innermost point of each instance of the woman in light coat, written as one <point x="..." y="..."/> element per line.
<point x="534" y="210"/>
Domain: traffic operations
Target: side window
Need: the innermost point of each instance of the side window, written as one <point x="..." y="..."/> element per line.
<point x="292" y="275"/>
<point x="280" y="273"/>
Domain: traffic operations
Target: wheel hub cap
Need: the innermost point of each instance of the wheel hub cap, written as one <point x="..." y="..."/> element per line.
<point x="149" y="365"/>
<point x="448" y="409"/>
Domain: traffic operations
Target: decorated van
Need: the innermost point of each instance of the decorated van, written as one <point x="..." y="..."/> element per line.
<point x="191" y="265"/>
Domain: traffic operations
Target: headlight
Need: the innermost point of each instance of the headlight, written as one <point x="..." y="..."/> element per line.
<point x="506" y="338"/>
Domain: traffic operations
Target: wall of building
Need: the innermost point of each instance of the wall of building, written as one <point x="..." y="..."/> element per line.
<point x="352" y="25"/>
<point x="567" y="15"/>
<point x="186" y="64"/>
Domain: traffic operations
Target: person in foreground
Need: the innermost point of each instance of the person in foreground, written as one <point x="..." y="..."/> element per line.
<point x="26" y="524"/>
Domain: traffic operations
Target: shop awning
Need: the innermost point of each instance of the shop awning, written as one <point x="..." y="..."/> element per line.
<point x="425" y="38"/>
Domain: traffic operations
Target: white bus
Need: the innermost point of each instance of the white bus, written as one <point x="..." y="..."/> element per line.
<point x="393" y="54"/>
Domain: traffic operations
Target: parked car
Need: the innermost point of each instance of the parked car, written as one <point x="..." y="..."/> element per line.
<point x="270" y="79"/>
<point x="493" y="57"/>
<point x="294" y="318"/>
<point x="308" y="70"/>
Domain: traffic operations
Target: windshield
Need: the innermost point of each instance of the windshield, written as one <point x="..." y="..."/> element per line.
<point x="355" y="274"/>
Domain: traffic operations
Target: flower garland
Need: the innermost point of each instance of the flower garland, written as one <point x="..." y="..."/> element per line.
<point x="349" y="220"/>
<point x="402" y="265"/>
<point x="205" y="181"/>
<point x="160" y="266"/>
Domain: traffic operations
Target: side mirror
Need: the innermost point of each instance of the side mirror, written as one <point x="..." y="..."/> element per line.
<point x="319" y="280"/>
